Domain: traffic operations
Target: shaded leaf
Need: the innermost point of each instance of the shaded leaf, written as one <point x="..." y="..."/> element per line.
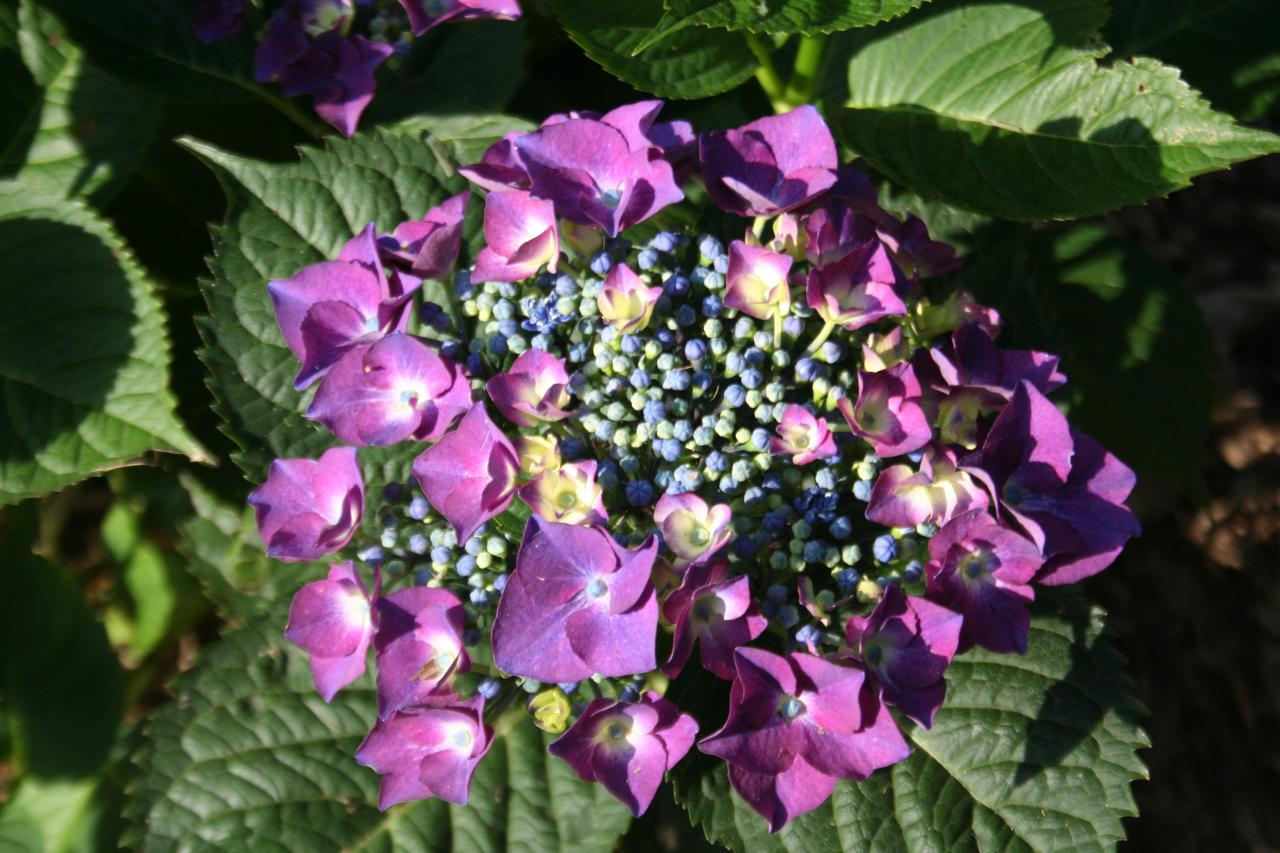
<point x="84" y="356"/>
<point x="695" y="63"/>
<point x="1030" y="752"/>
<point x="807" y="17"/>
<point x="1004" y="108"/>
<point x="1133" y="342"/>
<point x="248" y="757"/>
<point x="83" y="133"/>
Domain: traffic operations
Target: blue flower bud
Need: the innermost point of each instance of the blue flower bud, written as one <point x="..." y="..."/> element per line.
<point x="754" y="356"/>
<point x="675" y="285"/>
<point x="885" y="548"/>
<point x="734" y="395"/>
<point x="647" y="259"/>
<point x="419" y="544"/>
<point x="481" y="597"/>
<point x="686" y="316"/>
<point x="760" y="440"/>
<point x="663" y="241"/>
<point x="474" y="546"/>
<point x="752" y="378"/>
<point x="655" y="411"/>
<point x="601" y="264"/>
<point x="912" y="572"/>
<point x="826" y="478"/>
<point x="665" y="337"/>
<point x="671" y="449"/>
<point x="831" y="352"/>
<point x="605" y="430"/>
<point x="640" y="378"/>
<point x="695" y="350"/>
<point x="716" y="462"/>
<point x="721" y="264"/>
<point x="772" y="481"/>
<point x="639" y="493"/>
<point x="710" y="247"/>
<point x="662" y="478"/>
<point x="441" y="554"/>
<point x="842" y="527"/>
<point x="788" y="616"/>
<point x="465" y="566"/>
<point x="776" y="593"/>
<point x="847" y="579"/>
<point x="814" y="550"/>
<point x="862" y="490"/>
<point x="489" y="688"/>
<point x="808" y="634"/>
<point x="744" y="546"/>
<point x="712" y="306"/>
<point x="677" y="380"/>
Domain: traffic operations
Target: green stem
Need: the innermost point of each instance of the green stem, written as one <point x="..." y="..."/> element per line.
<point x="290" y="111"/>
<point x="827" y="328"/>
<point x="808" y="56"/>
<point x="777" y="330"/>
<point x="767" y="73"/>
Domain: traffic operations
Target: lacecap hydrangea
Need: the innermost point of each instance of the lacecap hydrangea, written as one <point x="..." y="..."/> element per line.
<point x="780" y="455"/>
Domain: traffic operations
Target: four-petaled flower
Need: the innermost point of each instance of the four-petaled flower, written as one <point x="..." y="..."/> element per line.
<point x="534" y="390"/>
<point x="577" y="604"/>
<point x="625" y="302"/>
<point x="568" y="494"/>
<point x="308" y="508"/>
<point x="888" y="412"/>
<point x="716" y="610"/>
<point x="757" y="281"/>
<point x="332" y="621"/>
<point x="802" y="436"/>
<point x="429" y="751"/>
<point x="419" y="647"/>
<point x="627" y="746"/>
<point x="428" y="247"/>
<point x="797" y="725"/>
<point x="691" y="528"/>
<point x="469" y="475"/>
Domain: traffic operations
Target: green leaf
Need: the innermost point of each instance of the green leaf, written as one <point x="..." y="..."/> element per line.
<point x="1228" y="49"/>
<point x="694" y="63"/>
<point x="806" y="17"/>
<point x="152" y="46"/>
<point x="247" y="756"/>
<point x="60" y="681"/>
<point x="84" y="358"/>
<point x="1004" y="108"/>
<point x="83" y="133"/>
<point x="281" y="217"/>
<point x="1030" y="752"/>
<point x="465" y="135"/>
<point x="224" y="552"/>
<point x="1133" y="341"/>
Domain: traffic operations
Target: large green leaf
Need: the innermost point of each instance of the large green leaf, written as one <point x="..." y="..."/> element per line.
<point x="81" y="132"/>
<point x="1005" y="108"/>
<point x="247" y="756"/>
<point x="807" y="17"/>
<point x="1030" y="752"/>
<point x="281" y="217"/>
<point x="60" y="682"/>
<point x="1133" y="342"/>
<point x="84" y="357"/>
<point x="152" y="46"/>
<point x="225" y="554"/>
<point x="695" y="63"/>
<point x="1228" y="49"/>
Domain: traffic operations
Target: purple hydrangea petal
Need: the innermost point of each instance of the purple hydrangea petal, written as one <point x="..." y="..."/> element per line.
<point x="428" y="247"/>
<point x="331" y="621"/>
<point x="425" y="14"/>
<point x="310" y="508"/>
<point x="469" y="475"/>
<point x="419" y="647"/>
<point x="521" y="237"/>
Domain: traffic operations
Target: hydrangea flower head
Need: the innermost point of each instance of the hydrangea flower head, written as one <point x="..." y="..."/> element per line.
<point x="939" y="491"/>
<point x="757" y="280"/>
<point x="802" y="436"/>
<point x="429" y="751"/>
<point x="327" y="308"/>
<point x="390" y="391"/>
<point x="691" y="528"/>
<point x="521" y="237"/>
<point x="906" y="644"/>
<point x="625" y="301"/>
<point x="535" y="390"/>
<point x="1058" y="485"/>
<point x="861" y="288"/>
<point x="577" y="604"/>
<point x="590" y="172"/>
<point x="332" y="621"/>
<point x="469" y="475"/>
<point x="771" y="165"/>
<point x="310" y="508"/>
<point x="984" y="571"/>
<point x="419" y="647"/>
<point x="888" y="412"/>
<point x="428" y="247"/>
<point x="798" y="724"/>
<point x="627" y="746"/>
<point x="568" y="494"/>
<point x="714" y="609"/>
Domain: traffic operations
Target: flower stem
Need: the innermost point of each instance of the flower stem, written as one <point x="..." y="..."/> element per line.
<point x="290" y="111"/>
<point x="767" y="73"/>
<point x="827" y="328"/>
<point x="805" y="70"/>
<point x="777" y="330"/>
